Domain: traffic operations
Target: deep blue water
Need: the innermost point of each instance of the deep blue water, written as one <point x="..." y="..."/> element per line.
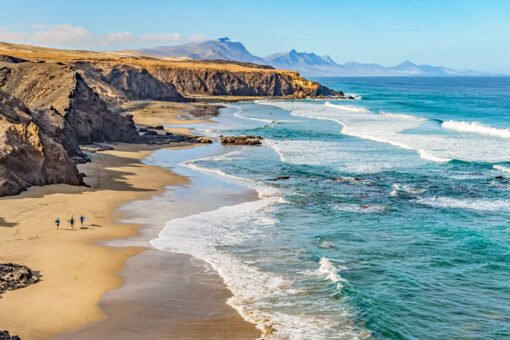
<point x="394" y="222"/>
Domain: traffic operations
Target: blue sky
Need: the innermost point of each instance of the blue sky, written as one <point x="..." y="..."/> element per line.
<point x="460" y="34"/>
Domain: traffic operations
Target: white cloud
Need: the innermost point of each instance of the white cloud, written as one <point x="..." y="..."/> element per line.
<point x="79" y="37"/>
<point x="37" y="26"/>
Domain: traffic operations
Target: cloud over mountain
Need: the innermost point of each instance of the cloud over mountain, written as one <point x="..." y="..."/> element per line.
<point x="70" y="36"/>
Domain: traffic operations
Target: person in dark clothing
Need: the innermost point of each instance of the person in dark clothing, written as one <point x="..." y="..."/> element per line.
<point x="81" y="218"/>
<point x="57" y="222"/>
<point x="71" y="221"/>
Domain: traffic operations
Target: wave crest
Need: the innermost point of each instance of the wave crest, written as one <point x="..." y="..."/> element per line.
<point x="402" y="116"/>
<point x="475" y="127"/>
<point x="501" y="168"/>
<point x="329" y="271"/>
<point x="470" y="204"/>
<point x="346" y="107"/>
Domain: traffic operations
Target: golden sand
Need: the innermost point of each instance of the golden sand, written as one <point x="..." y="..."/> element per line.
<point x="75" y="268"/>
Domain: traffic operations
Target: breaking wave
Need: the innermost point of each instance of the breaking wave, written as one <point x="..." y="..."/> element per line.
<point x="475" y="127"/>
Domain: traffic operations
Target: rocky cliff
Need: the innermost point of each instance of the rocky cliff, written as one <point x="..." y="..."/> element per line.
<point x="58" y="89"/>
<point x="28" y="156"/>
<point x="238" y="82"/>
<point x="55" y="100"/>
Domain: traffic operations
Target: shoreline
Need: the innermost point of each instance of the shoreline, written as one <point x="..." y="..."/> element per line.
<point x="74" y="275"/>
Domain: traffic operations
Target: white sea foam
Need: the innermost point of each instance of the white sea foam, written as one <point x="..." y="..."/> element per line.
<point x="470" y="204"/>
<point x="406" y="189"/>
<point x="475" y="127"/>
<point x="404" y="132"/>
<point x="209" y="235"/>
<point x="343" y="156"/>
<point x="360" y="208"/>
<point x="501" y="168"/>
<point x="330" y="272"/>
<point x="402" y="116"/>
<point x="324" y="243"/>
<point x="428" y="156"/>
<point x="353" y="95"/>
<point x="346" y="107"/>
<point x="267" y="121"/>
<point x="205" y="235"/>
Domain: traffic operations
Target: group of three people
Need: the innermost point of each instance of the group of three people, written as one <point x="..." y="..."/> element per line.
<point x="71" y="221"/>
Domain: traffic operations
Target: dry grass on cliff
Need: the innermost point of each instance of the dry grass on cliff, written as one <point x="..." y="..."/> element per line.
<point x="34" y="53"/>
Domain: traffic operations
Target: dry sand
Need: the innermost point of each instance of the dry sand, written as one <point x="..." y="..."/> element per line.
<point x="76" y="270"/>
<point x="167" y="296"/>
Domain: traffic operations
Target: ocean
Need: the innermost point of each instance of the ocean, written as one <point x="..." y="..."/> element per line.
<point x="394" y="222"/>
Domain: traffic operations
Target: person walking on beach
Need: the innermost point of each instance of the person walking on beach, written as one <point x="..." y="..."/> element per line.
<point x="57" y="222"/>
<point x="71" y="222"/>
<point x="81" y="218"/>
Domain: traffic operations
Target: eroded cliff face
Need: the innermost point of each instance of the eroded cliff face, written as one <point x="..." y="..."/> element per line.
<point x="92" y="121"/>
<point x="263" y="82"/>
<point x="138" y="84"/>
<point x="57" y="88"/>
<point x="27" y="155"/>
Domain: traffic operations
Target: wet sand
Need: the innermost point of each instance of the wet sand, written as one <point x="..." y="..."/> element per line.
<point x="177" y="296"/>
<point x="167" y="296"/>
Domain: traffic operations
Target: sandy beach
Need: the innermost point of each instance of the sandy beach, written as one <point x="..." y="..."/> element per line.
<point x="76" y="269"/>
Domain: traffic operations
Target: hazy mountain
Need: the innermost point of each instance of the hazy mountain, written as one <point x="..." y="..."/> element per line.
<point x="307" y="64"/>
<point x="208" y="50"/>
<point x="310" y="64"/>
<point x="304" y="63"/>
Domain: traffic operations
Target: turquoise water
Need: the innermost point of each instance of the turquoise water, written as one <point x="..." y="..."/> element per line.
<point x="394" y="222"/>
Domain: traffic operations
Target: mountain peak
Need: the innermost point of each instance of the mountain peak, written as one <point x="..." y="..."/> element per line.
<point x="222" y="48"/>
<point x="407" y="63"/>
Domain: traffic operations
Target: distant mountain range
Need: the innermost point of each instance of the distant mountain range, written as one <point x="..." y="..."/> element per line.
<point x="208" y="50"/>
<point x="307" y="64"/>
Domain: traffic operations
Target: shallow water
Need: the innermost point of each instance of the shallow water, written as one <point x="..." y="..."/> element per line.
<point x="394" y="223"/>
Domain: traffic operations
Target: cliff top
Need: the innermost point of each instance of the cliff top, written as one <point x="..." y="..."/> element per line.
<point x="45" y="54"/>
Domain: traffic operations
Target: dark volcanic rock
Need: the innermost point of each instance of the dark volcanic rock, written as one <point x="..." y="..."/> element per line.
<point x="15" y="276"/>
<point x="54" y="125"/>
<point x="241" y="140"/>
<point x="91" y="119"/>
<point x="279" y="178"/>
<point x="10" y="59"/>
<point x="28" y="156"/>
<point x="204" y="140"/>
<point x="63" y="90"/>
<point x="224" y="82"/>
<point x="138" y="83"/>
<point x="4" y="335"/>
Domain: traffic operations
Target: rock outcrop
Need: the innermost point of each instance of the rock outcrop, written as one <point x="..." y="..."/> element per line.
<point x="15" y="276"/>
<point x="4" y="335"/>
<point x="241" y="140"/>
<point x="61" y="88"/>
<point x="238" y="81"/>
<point x="137" y="83"/>
<point x="28" y="156"/>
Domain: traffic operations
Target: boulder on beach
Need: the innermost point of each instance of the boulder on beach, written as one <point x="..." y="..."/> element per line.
<point x="4" y="335"/>
<point x="14" y="276"/>
<point x="241" y="140"/>
<point x="204" y="140"/>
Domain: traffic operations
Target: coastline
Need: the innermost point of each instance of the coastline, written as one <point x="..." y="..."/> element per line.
<point x="71" y="262"/>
